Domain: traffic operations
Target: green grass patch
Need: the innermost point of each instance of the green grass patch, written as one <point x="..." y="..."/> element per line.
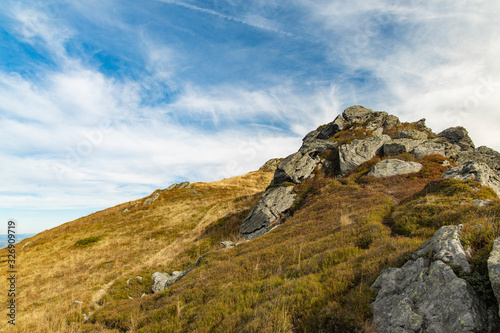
<point x="87" y="241"/>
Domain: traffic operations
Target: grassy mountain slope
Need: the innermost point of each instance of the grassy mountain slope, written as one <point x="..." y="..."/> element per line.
<point x="80" y="260"/>
<point x="310" y="274"/>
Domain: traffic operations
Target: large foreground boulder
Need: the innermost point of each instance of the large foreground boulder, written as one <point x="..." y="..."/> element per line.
<point x="425" y="295"/>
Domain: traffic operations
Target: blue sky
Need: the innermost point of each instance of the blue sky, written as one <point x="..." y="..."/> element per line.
<point x="104" y="101"/>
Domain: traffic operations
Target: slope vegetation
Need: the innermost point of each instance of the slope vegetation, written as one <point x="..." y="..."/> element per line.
<point x="86" y="259"/>
<point x="310" y="274"/>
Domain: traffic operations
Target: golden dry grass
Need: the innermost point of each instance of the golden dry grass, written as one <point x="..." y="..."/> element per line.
<point x="54" y="271"/>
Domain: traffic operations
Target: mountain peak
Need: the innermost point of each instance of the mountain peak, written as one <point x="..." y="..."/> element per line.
<point x="354" y="137"/>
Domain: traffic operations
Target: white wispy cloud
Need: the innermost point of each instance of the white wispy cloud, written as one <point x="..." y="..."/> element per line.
<point x="37" y="26"/>
<point x="252" y="20"/>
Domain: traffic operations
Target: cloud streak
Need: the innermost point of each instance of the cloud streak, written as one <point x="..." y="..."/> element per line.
<point x="254" y="21"/>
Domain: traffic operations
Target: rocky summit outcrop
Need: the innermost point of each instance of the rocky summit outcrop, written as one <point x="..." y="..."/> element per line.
<point x="459" y="136"/>
<point x="319" y="151"/>
<point x="425" y="295"/>
<point x="393" y="167"/>
<point x="494" y="269"/>
<point x="352" y="138"/>
<point x="477" y="171"/>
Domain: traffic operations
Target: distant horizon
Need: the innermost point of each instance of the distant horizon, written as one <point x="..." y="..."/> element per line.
<point x="105" y="101"/>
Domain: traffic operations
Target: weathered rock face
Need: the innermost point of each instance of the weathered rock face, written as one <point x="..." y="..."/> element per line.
<point x="333" y="128"/>
<point x="275" y="202"/>
<point x="482" y="154"/>
<point x="480" y="172"/>
<point x="357" y="114"/>
<point x="319" y="152"/>
<point x="494" y="269"/>
<point x="459" y="136"/>
<point x="359" y="151"/>
<point x="429" y="148"/>
<point x="425" y="295"/>
<point x="399" y="146"/>
<point x="445" y="246"/>
<point x="152" y="198"/>
<point x="393" y="167"/>
<point x="391" y="121"/>
<point x="412" y="134"/>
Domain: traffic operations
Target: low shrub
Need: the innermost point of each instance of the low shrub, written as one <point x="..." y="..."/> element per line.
<point x="87" y="241"/>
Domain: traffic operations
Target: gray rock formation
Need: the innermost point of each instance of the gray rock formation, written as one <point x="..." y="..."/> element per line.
<point x="393" y="167"/>
<point x="357" y="114"/>
<point x="445" y="246"/>
<point x="180" y="185"/>
<point x="152" y="199"/>
<point x="164" y="280"/>
<point x="494" y="269"/>
<point x="270" y="166"/>
<point x="295" y="168"/>
<point x="482" y="154"/>
<point x="477" y="171"/>
<point x="412" y="134"/>
<point x="332" y="128"/>
<point x="459" y="136"/>
<point x="318" y="152"/>
<point x="359" y="151"/>
<point x="429" y="148"/>
<point x="269" y="210"/>
<point x="425" y="295"/>
<point x="399" y="146"/>
<point x="391" y="121"/>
